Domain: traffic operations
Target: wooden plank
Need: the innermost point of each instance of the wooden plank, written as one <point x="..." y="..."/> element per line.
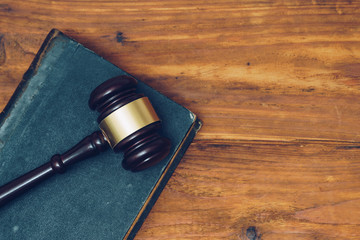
<point x="266" y="71"/>
<point x="299" y="190"/>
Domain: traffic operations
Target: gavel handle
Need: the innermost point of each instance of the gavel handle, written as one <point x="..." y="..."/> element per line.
<point x="88" y="147"/>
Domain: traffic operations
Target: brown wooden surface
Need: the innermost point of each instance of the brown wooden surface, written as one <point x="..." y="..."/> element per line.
<point x="276" y="83"/>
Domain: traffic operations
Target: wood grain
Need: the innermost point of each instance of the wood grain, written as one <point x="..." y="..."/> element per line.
<point x="286" y="190"/>
<point x="276" y="83"/>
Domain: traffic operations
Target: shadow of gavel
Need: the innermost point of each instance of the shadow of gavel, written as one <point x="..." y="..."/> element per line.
<point x="128" y="123"/>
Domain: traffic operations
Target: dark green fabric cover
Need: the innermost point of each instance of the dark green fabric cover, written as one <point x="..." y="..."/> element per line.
<point x="96" y="198"/>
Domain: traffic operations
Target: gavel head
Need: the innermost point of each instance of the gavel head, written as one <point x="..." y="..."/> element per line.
<point x="129" y="123"/>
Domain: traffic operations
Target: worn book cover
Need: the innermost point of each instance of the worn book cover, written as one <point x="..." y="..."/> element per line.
<point x="96" y="198"/>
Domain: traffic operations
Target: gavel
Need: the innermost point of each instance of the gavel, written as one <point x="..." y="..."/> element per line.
<point x="128" y="124"/>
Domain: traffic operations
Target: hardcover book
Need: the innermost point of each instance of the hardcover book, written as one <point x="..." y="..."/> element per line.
<point x="95" y="198"/>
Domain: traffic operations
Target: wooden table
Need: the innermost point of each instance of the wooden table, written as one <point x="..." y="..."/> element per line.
<point x="276" y="83"/>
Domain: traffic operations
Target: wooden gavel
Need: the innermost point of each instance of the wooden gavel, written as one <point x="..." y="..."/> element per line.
<point x="128" y="123"/>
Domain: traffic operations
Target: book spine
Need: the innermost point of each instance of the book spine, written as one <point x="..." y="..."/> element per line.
<point x="28" y="74"/>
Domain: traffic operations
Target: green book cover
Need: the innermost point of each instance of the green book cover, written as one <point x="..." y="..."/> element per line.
<point x="96" y="198"/>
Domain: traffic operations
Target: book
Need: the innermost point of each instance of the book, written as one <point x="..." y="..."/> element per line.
<point x="95" y="198"/>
